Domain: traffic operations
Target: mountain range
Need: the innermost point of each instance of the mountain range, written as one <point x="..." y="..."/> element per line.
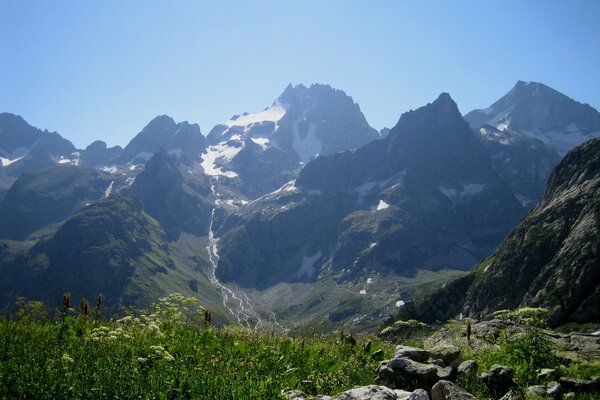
<point x="301" y="212"/>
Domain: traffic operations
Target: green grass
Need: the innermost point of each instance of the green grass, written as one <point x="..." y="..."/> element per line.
<point x="160" y="357"/>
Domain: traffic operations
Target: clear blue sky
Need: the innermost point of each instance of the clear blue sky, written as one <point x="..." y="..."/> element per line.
<point x="103" y="69"/>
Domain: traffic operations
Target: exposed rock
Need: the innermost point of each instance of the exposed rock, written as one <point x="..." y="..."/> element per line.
<point x="554" y="390"/>
<point x="447" y="353"/>
<point x="297" y="395"/>
<point x="580" y="385"/>
<point x="499" y="379"/>
<point x="446" y="373"/>
<point x="546" y="373"/>
<point x="418" y="394"/>
<point x="468" y="369"/>
<point x="510" y="395"/>
<point x="413" y="353"/>
<point x="404" y="373"/>
<point x="371" y="392"/>
<point x="445" y="390"/>
<point x="536" y="391"/>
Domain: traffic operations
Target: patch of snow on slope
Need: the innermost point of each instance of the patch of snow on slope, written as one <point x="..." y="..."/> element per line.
<point x="273" y="114"/>
<point x="308" y="145"/>
<point x="400" y="303"/>
<point x="363" y="291"/>
<point x="109" y="189"/>
<point x="382" y="205"/>
<point x="112" y="169"/>
<point x="308" y="266"/>
<point x="6" y="162"/>
<point x="262" y="142"/>
<point x="222" y="153"/>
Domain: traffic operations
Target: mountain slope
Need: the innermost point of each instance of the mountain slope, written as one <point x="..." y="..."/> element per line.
<point x="426" y="196"/>
<point x="541" y="112"/>
<point x="49" y="196"/>
<point x="551" y="259"/>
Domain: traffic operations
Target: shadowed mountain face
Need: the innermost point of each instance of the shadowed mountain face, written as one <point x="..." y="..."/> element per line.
<point x="541" y="112"/>
<point x="426" y="196"/>
<point x="549" y="260"/>
<point x="25" y="148"/>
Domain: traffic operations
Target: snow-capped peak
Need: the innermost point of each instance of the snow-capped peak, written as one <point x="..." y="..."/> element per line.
<point x="270" y="114"/>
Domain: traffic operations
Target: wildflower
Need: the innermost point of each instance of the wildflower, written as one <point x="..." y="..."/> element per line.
<point x="142" y="360"/>
<point x="67" y="359"/>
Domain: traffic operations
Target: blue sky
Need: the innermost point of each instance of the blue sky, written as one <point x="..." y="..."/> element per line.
<point x="102" y="70"/>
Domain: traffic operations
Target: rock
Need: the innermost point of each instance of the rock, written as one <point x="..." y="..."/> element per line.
<point x="579" y="385"/>
<point x="372" y="392"/>
<point x="468" y="370"/>
<point x="444" y="390"/>
<point x="418" y="394"/>
<point x="297" y="395"/>
<point x="438" y="362"/>
<point x="378" y="355"/>
<point x="546" y="373"/>
<point x="510" y="395"/>
<point x="536" y="391"/>
<point x="499" y="379"/>
<point x="553" y="390"/>
<point x="413" y="353"/>
<point x="404" y="373"/>
<point x="446" y="373"/>
<point x="447" y="353"/>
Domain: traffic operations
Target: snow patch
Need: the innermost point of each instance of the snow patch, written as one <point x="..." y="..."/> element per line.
<point x="372" y="245"/>
<point x="222" y="153"/>
<point x="262" y="142"/>
<point x="109" y="189"/>
<point x="364" y="291"/>
<point x="369" y="280"/>
<point x="308" y="145"/>
<point x="470" y="189"/>
<point x="112" y="169"/>
<point x="308" y="266"/>
<point x="273" y="114"/>
<point x="382" y="205"/>
<point x="129" y="181"/>
<point x="6" y="162"/>
<point x="400" y="303"/>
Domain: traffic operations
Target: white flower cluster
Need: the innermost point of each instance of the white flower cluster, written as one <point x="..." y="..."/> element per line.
<point x="104" y="334"/>
<point x="159" y="352"/>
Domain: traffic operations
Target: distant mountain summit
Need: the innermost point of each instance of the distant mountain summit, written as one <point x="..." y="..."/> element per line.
<point x="549" y="260"/>
<point x="163" y="133"/>
<point x="25" y="148"/>
<point x="541" y="112"/>
<point x="259" y="152"/>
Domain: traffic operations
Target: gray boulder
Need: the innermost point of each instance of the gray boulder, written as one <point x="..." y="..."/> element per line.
<point x="297" y="395"/>
<point x="404" y="373"/>
<point x="445" y="390"/>
<point x="546" y="373"/>
<point x="580" y="385"/>
<point x="413" y="353"/>
<point x="447" y="353"/>
<point x="499" y="379"/>
<point x="536" y="391"/>
<point x="418" y="394"/>
<point x="468" y="370"/>
<point x="554" y="390"/>
<point x="372" y="392"/>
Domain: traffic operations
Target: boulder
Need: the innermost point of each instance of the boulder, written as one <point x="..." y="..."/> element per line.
<point x="413" y="353"/>
<point x="447" y="353"/>
<point x="297" y="395"/>
<point x="445" y="390"/>
<point x="499" y="380"/>
<point x="536" y="391"/>
<point x="546" y="373"/>
<point x="418" y="394"/>
<point x="468" y="370"/>
<point x="446" y="373"/>
<point x="554" y="390"/>
<point x="372" y="392"/>
<point x="404" y="373"/>
<point x="579" y="385"/>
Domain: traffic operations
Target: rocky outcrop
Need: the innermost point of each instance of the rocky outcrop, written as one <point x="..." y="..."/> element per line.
<point x="444" y="390"/>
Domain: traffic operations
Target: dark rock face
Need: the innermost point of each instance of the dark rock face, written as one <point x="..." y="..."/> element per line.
<point x="161" y="190"/>
<point x="97" y="154"/>
<point x="499" y="380"/>
<point x="549" y="260"/>
<point x="541" y="112"/>
<point x="425" y="196"/>
<point x="163" y="133"/>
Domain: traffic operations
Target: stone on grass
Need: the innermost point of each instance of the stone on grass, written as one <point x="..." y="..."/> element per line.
<point x="445" y="390"/>
<point x="446" y="353"/>
<point x="413" y="353"/>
